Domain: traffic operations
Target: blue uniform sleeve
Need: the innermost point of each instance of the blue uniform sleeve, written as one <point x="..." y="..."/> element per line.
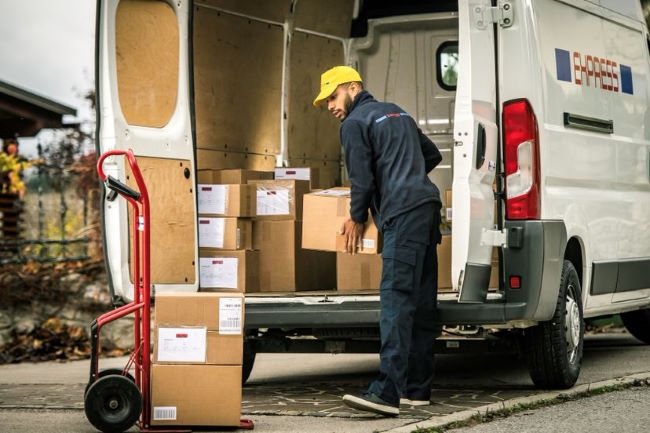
<point x="432" y="156"/>
<point x="358" y="160"/>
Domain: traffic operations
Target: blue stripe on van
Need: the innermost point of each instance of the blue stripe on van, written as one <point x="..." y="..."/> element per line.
<point x="563" y="65"/>
<point x="626" y="80"/>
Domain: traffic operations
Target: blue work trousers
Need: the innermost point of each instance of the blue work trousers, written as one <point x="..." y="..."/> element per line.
<point x="408" y="294"/>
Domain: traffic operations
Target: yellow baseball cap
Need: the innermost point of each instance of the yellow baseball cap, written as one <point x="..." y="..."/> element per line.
<point x="332" y="78"/>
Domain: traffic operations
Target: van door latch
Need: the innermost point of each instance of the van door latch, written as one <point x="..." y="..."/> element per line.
<point x="486" y="15"/>
<point x="495" y="238"/>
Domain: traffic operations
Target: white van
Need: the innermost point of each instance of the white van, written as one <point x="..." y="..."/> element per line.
<point x="544" y="102"/>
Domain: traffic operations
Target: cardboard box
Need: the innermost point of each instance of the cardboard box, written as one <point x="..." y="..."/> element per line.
<point x="225" y="233"/>
<point x="231" y="176"/>
<point x="205" y="395"/>
<point x="284" y="265"/>
<point x="324" y="214"/>
<point x="226" y="200"/>
<point x="310" y="174"/>
<point x="358" y="272"/>
<point x="228" y="270"/>
<point x="280" y="199"/>
<point x="199" y="310"/>
<point x="175" y="345"/>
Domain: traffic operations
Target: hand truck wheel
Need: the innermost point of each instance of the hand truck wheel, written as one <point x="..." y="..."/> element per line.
<point x="107" y="372"/>
<point x="113" y="403"/>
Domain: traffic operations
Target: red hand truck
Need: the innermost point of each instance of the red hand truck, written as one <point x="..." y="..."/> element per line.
<point x="114" y="400"/>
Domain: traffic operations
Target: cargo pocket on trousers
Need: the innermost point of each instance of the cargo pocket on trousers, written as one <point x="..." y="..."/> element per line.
<point x="399" y="268"/>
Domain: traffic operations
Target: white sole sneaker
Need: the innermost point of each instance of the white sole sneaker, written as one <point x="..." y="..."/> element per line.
<point x="409" y="402"/>
<point x="370" y="406"/>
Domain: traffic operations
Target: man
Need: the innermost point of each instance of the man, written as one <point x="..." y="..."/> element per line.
<point x="388" y="158"/>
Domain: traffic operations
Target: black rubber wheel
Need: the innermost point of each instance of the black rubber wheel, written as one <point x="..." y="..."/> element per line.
<point x="638" y="324"/>
<point x="113" y="404"/>
<point x="554" y="348"/>
<point x="249" y="360"/>
<point x="108" y="372"/>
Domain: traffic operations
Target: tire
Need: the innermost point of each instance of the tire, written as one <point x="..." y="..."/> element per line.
<point x="108" y="372"/>
<point x="554" y="348"/>
<point x="113" y="403"/>
<point x="250" y="352"/>
<point x="638" y="324"/>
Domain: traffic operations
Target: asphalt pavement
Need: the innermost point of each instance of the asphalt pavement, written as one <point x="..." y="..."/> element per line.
<point x="301" y="392"/>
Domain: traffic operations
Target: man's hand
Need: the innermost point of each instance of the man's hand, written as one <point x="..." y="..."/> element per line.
<point x="352" y="232"/>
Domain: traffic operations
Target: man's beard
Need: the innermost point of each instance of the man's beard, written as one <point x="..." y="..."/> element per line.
<point x="346" y="106"/>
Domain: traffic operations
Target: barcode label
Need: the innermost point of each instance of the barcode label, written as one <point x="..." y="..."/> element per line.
<point x="230" y="316"/>
<point x="368" y="244"/>
<point x="164" y="413"/>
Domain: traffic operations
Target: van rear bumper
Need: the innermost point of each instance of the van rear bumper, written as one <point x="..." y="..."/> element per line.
<point x="535" y="253"/>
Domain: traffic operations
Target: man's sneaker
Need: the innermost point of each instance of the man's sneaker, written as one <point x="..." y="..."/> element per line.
<point x="409" y="402"/>
<point x="370" y="403"/>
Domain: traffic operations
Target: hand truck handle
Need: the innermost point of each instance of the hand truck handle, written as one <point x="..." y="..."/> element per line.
<point x="116" y="186"/>
<point x="120" y="188"/>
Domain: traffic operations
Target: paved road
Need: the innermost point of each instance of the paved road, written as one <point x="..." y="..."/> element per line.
<point x="625" y="411"/>
<point x="296" y="392"/>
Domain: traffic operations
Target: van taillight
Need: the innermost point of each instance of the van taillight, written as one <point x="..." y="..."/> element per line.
<point x="521" y="160"/>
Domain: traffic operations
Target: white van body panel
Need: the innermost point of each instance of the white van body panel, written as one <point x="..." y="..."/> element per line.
<point x="174" y="140"/>
<point x="597" y="183"/>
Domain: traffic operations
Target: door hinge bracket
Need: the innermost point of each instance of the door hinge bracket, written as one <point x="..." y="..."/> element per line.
<point x="495" y="238"/>
<point x="487" y="15"/>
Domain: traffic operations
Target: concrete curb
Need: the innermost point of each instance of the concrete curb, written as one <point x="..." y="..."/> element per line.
<point x="537" y="398"/>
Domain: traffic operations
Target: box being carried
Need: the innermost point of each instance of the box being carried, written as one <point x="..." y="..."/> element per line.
<point x="280" y="199"/>
<point x="323" y="215"/>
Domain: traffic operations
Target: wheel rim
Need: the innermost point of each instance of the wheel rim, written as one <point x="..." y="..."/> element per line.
<point x="572" y="324"/>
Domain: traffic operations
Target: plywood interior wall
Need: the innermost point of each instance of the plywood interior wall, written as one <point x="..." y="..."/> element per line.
<point x="238" y="77"/>
<point x="147" y="47"/>
<point x="313" y="132"/>
<point x="173" y="223"/>
<point x="332" y="17"/>
<point x="237" y="82"/>
<point x="272" y="10"/>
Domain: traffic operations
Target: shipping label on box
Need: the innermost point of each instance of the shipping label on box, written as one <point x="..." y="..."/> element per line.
<point x="213" y="199"/>
<point x="273" y="201"/>
<point x="211" y="232"/>
<point x="300" y="173"/>
<point x="181" y="344"/>
<point x="218" y="272"/>
<point x="230" y="316"/>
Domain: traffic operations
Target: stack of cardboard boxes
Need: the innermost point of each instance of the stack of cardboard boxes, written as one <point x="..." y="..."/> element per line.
<point x="250" y="226"/>
<point x="227" y="205"/>
<point x="198" y="352"/>
<point x="277" y="232"/>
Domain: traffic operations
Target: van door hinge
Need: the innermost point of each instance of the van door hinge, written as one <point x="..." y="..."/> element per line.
<point x="495" y="238"/>
<point x="487" y="15"/>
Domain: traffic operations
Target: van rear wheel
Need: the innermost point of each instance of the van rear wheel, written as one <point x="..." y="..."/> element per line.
<point x="638" y="324"/>
<point x="554" y="348"/>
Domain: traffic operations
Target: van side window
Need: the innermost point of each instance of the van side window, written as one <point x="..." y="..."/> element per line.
<point x="447" y="65"/>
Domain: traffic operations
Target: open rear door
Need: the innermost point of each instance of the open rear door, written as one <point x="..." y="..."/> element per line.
<point x="475" y="152"/>
<point x="143" y="103"/>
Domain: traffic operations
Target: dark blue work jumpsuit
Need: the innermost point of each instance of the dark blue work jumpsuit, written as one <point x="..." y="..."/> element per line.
<point x="388" y="159"/>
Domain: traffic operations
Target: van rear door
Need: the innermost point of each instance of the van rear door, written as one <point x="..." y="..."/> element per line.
<point x="475" y="152"/>
<point x="143" y="104"/>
